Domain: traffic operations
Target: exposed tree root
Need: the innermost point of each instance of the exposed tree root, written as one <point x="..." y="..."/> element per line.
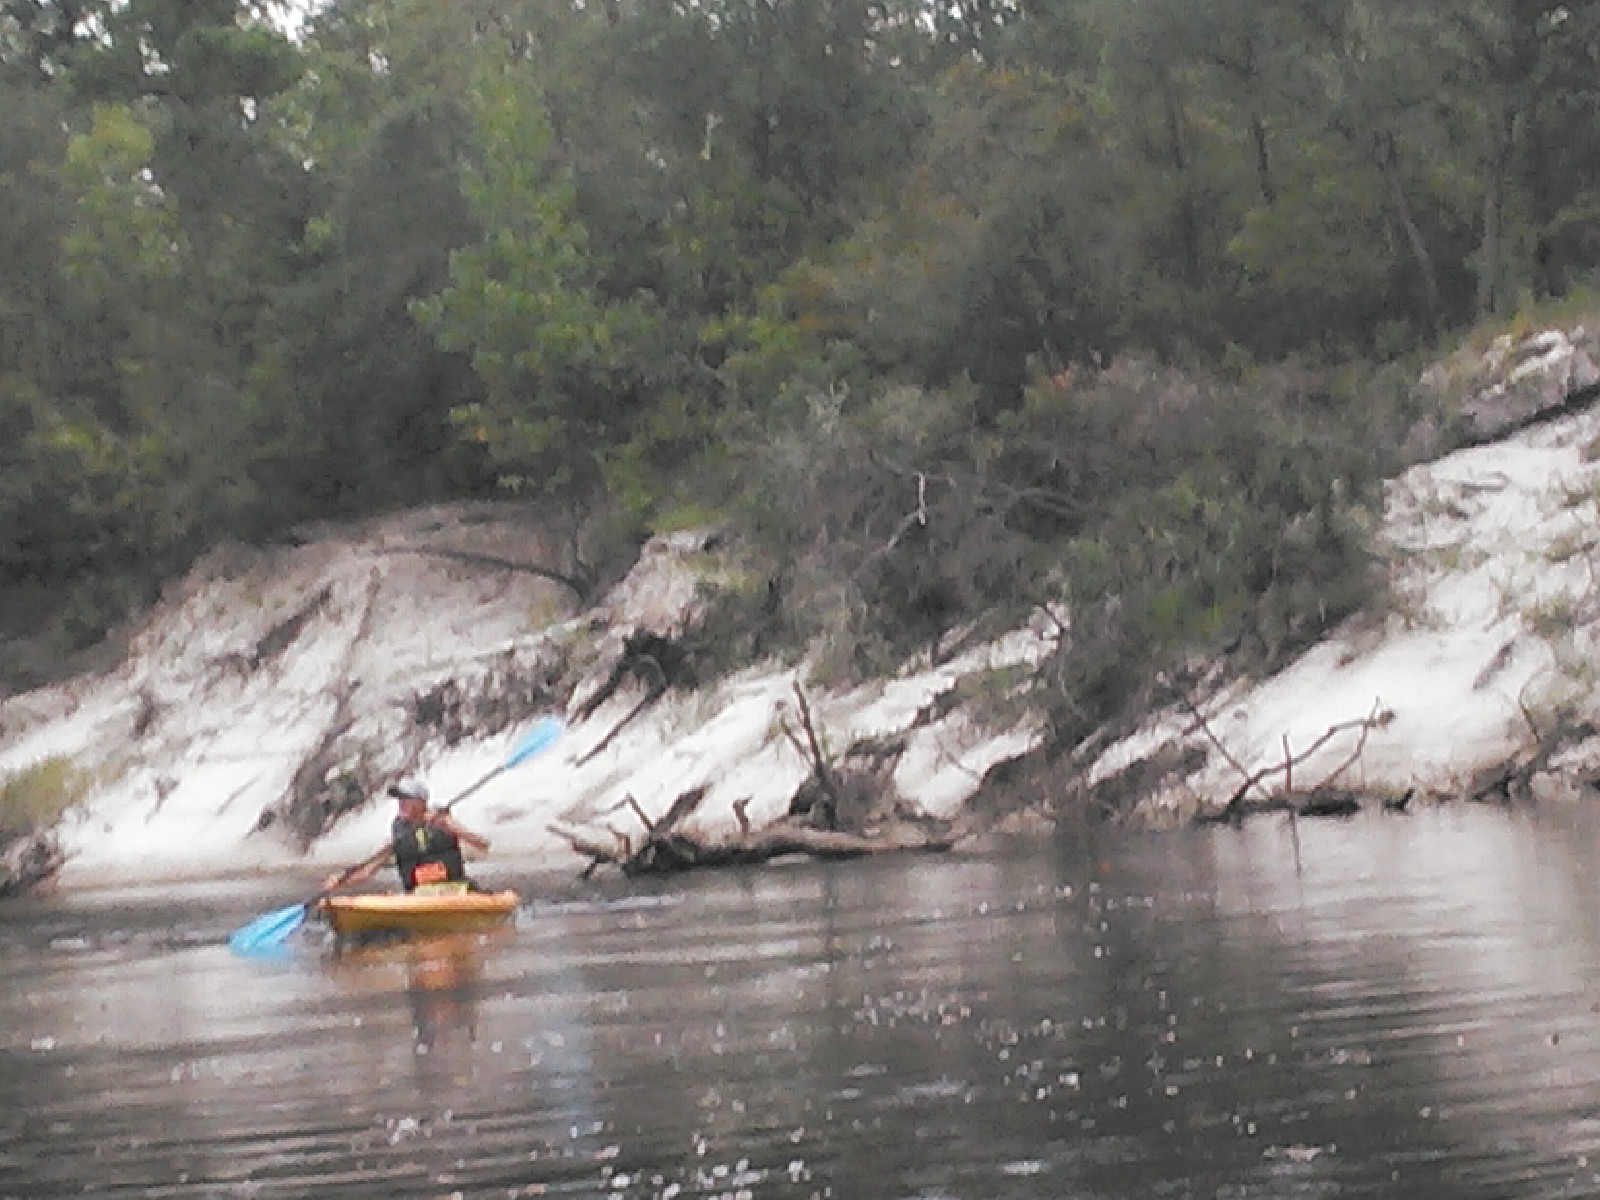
<point x="325" y="785"/>
<point x="641" y="660"/>
<point x="28" y="862"/>
<point x="581" y="586"/>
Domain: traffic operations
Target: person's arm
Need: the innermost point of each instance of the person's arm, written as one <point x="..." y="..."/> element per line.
<point x="362" y="873"/>
<point x="443" y="820"/>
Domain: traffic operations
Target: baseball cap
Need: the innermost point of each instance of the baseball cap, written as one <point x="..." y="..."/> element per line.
<point x="409" y="788"/>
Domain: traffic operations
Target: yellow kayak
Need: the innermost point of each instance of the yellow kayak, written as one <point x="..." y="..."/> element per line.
<point x="352" y="916"/>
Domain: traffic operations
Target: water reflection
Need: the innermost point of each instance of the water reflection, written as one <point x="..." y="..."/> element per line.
<point x="442" y="976"/>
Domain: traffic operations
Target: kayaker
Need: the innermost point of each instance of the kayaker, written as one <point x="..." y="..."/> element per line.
<point x="424" y="845"/>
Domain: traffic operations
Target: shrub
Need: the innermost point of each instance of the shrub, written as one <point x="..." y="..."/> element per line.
<point x="1177" y="515"/>
<point x="35" y="798"/>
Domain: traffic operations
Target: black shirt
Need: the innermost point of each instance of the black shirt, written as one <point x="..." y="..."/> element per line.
<point x="424" y="854"/>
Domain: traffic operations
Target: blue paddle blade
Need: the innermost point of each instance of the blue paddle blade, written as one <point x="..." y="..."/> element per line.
<point x="541" y="737"/>
<point x="265" y="933"/>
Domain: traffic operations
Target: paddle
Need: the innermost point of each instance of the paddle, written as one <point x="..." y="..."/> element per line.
<point x="270" y="930"/>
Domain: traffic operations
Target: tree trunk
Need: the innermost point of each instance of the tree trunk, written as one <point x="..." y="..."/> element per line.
<point x="1258" y="138"/>
<point x="1178" y="145"/>
<point x="1387" y="156"/>
<point x="1492" y="282"/>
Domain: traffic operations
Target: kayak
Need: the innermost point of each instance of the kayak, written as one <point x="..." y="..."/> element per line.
<point x="353" y="916"/>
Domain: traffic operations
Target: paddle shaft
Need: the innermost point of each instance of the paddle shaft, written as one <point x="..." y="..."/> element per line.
<point x="375" y="859"/>
<point x="481" y="783"/>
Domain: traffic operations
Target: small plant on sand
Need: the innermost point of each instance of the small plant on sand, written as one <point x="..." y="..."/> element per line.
<point x="35" y="798"/>
<point x="1549" y="706"/>
<point x="1551" y="617"/>
<point x="1575" y="664"/>
<point x="998" y="696"/>
<point x="1435" y="503"/>
<point x="1509" y="590"/>
<point x="1567" y="546"/>
<point x="545" y="612"/>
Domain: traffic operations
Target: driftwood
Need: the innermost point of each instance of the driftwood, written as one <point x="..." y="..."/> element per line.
<point x="670" y="844"/>
<point x="664" y="849"/>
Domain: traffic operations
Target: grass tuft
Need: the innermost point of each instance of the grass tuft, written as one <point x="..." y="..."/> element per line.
<point x="35" y="798"/>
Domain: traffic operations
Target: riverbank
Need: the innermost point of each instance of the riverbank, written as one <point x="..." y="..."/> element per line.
<point x="258" y="715"/>
<point x="268" y="699"/>
<point x="1477" y="675"/>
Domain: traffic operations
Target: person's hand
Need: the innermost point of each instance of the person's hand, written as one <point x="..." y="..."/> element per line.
<point x="333" y="881"/>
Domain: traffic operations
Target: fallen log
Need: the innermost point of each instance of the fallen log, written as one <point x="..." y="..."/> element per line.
<point x="839" y="812"/>
<point x="666" y="848"/>
<point x="678" y="852"/>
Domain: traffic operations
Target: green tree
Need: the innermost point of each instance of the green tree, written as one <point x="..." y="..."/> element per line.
<point x="1527" y="89"/>
<point x="525" y="304"/>
<point x="179" y="206"/>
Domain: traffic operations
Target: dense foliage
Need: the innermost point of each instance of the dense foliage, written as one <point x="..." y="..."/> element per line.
<point x="952" y="308"/>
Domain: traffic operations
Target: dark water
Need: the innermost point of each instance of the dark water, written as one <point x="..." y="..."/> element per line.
<point x="1414" y="1014"/>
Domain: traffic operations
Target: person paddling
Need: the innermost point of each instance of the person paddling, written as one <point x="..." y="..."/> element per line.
<point x="424" y="845"/>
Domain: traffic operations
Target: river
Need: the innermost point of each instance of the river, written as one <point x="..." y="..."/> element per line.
<point x="1403" y="1006"/>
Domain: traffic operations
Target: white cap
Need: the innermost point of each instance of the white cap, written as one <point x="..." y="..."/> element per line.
<point x="409" y="788"/>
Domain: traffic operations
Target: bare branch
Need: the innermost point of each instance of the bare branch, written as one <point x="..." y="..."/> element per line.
<point x="1377" y="719"/>
<point x="649" y="825"/>
<point x="818" y="753"/>
<point x="580" y="588"/>
<point x="1222" y="749"/>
